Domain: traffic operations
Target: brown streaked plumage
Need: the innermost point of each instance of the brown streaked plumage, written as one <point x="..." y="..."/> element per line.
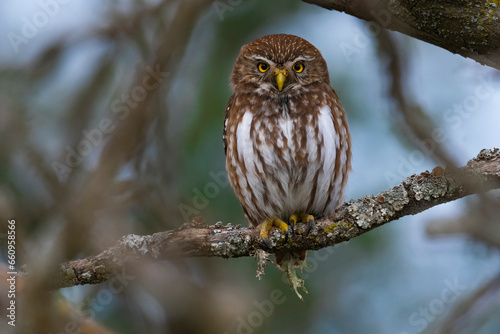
<point x="286" y="139"/>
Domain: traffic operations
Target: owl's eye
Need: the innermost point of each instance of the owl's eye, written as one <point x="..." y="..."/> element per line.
<point x="298" y="67"/>
<point x="263" y="67"/>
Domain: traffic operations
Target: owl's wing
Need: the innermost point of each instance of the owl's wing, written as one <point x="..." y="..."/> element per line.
<point x="226" y="117"/>
<point x="341" y="127"/>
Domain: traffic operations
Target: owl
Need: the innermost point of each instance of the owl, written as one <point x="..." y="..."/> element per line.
<point x="286" y="139"/>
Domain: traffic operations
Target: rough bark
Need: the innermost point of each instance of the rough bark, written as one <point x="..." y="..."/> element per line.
<point x="415" y="194"/>
<point x="468" y="28"/>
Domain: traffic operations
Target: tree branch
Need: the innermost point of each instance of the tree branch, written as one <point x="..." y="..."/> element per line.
<point x="415" y="194"/>
<point x="469" y="28"/>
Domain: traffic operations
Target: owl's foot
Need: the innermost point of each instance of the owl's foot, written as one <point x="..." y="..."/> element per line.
<point x="268" y="224"/>
<point x="303" y="218"/>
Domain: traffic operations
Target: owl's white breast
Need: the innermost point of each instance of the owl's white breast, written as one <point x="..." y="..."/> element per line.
<point x="281" y="184"/>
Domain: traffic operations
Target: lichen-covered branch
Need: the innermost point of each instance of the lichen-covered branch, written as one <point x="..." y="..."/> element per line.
<point x="469" y="28"/>
<point x="415" y="194"/>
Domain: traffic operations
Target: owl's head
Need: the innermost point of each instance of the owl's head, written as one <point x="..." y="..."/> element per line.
<point x="278" y="65"/>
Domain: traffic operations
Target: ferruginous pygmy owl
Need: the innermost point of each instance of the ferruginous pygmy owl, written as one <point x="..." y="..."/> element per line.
<point x="286" y="139"/>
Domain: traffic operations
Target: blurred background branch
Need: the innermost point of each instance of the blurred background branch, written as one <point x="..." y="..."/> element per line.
<point x="110" y="122"/>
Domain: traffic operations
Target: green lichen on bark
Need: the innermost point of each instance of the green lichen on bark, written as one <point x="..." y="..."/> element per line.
<point x="417" y="193"/>
<point x="459" y="24"/>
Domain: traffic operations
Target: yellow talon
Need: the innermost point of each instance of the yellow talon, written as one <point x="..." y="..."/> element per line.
<point x="301" y="217"/>
<point x="309" y="219"/>
<point x="281" y="225"/>
<point x="266" y="226"/>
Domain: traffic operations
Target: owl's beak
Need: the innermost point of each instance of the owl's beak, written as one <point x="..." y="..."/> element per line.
<point x="280" y="76"/>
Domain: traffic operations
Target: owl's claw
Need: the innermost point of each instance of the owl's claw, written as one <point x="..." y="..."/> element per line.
<point x="286" y="229"/>
<point x="310" y="223"/>
<point x="292" y="222"/>
<point x="267" y="244"/>
<point x="267" y="225"/>
<point x="304" y="218"/>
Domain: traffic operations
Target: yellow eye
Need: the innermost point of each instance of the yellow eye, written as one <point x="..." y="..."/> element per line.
<point x="263" y="67"/>
<point x="298" y="67"/>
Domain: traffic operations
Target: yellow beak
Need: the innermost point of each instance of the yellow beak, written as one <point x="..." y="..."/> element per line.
<point x="280" y="77"/>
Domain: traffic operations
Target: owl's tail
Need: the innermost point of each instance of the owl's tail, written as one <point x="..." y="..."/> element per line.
<point x="296" y="259"/>
<point x="289" y="262"/>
